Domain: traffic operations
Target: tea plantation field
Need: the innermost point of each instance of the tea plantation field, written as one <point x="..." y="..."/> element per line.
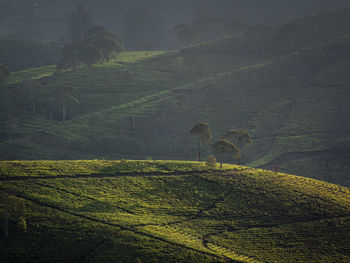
<point x="168" y="211"/>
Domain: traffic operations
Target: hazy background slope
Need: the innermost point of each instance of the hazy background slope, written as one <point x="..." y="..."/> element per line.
<point x="287" y="84"/>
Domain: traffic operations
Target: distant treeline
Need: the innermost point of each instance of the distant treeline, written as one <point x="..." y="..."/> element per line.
<point x="18" y="54"/>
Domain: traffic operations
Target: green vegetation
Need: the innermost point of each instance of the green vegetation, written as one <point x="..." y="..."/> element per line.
<point x="98" y="46"/>
<point x="3" y="72"/>
<point x="240" y="138"/>
<point x="19" y="54"/>
<point x="211" y="162"/>
<point x="224" y="146"/>
<point x="291" y="96"/>
<point x="170" y="211"/>
<point x="31" y="73"/>
<point x="203" y="131"/>
<point x="80" y="21"/>
<point x="98" y="167"/>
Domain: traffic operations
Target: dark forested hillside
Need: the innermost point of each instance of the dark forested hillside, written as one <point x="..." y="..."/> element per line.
<point x="19" y="54"/>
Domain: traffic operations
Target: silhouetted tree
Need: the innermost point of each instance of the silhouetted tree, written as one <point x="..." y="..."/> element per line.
<point x="203" y="131"/>
<point x="142" y="30"/>
<point x="208" y="29"/>
<point x="239" y="137"/>
<point x="18" y="54"/>
<point x="98" y="47"/>
<point x="224" y="147"/>
<point x="8" y="116"/>
<point x="94" y="31"/>
<point x="15" y="207"/>
<point x="3" y="72"/>
<point x="89" y="55"/>
<point x="185" y="33"/>
<point x="211" y="162"/>
<point x="81" y="20"/>
<point x="31" y="92"/>
<point x="64" y="97"/>
<point x="6" y="10"/>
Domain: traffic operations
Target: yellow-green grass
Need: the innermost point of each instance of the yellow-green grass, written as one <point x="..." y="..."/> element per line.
<point x="149" y="207"/>
<point x="136" y="56"/>
<point x="45" y="71"/>
<point x="98" y="167"/>
<point x="32" y="73"/>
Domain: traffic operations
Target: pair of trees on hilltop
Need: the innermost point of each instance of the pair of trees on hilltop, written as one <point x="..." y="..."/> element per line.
<point x="229" y="144"/>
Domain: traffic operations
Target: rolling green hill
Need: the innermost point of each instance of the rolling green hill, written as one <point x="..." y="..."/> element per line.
<point x="288" y="85"/>
<point x="168" y="211"/>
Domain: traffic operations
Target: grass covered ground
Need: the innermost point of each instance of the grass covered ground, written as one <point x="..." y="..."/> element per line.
<point x="169" y="211"/>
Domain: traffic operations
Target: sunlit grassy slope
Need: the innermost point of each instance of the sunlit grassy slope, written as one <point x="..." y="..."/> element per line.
<point x="170" y="211"/>
<point x="32" y="73"/>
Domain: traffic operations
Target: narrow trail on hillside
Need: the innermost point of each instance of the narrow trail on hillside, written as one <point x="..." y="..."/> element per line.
<point x="121" y="228"/>
<point x="133" y="228"/>
<point x="98" y="176"/>
<point x="291" y="107"/>
<point x="84" y="197"/>
<point x="228" y="254"/>
<point x="292" y="156"/>
<point x="84" y="257"/>
<point x="199" y="214"/>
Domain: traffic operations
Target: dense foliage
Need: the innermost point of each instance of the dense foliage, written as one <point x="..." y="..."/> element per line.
<point x="18" y="54"/>
<point x="98" y="46"/>
<point x="208" y="29"/>
<point x="80" y="21"/>
<point x="3" y="72"/>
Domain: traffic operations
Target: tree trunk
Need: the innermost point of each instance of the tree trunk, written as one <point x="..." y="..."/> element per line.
<point x="144" y="147"/>
<point x="164" y="114"/>
<point x="33" y="105"/>
<point x="133" y="123"/>
<point x="199" y="151"/>
<point x="64" y="111"/>
<point x="220" y="166"/>
<point x="7" y="224"/>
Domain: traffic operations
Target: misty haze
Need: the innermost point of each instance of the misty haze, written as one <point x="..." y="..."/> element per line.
<point x="174" y="131"/>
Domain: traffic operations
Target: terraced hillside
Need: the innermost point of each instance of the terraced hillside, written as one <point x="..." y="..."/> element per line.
<point x="288" y="85"/>
<point x="115" y="99"/>
<point x="168" y="211"/>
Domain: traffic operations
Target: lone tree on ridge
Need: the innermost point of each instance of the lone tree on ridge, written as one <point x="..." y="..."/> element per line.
<point x="203" y="131"/>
